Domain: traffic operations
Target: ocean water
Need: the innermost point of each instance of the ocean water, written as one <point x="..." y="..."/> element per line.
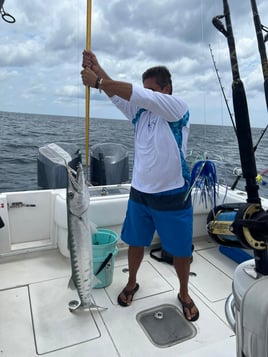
<point x="21" y="135"/>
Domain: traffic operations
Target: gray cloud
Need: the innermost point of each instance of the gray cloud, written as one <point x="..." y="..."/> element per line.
<point x="41" y="52"/>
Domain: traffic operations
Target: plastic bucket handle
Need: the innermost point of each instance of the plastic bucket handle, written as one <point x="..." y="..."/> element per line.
<point x="106" y="260"/>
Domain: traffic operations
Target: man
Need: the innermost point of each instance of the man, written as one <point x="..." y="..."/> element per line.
<point x="160" y="179"/>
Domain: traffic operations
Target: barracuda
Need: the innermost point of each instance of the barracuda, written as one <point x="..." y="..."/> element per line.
<point x="79" y="240"/>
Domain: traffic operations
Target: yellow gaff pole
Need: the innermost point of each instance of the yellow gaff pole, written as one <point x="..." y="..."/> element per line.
<point x="88" y="46"/>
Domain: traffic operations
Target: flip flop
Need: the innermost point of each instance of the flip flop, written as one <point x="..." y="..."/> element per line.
<point x="127" y="293"/>
<point x="189" y="306"/>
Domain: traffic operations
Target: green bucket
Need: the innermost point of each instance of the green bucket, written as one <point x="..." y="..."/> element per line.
<point x="104" y="250"/>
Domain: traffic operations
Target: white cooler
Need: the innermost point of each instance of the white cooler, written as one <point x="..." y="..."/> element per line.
<point x="247" y="311"/>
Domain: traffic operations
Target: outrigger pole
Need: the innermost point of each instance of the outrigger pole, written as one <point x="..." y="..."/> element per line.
<point x="87" y="108"/>
<point x="251" y="222"/>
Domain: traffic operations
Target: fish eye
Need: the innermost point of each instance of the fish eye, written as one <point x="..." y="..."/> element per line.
<point x="70" y="195"/>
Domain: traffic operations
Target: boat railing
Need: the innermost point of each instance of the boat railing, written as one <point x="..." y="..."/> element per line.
<point x="230" y="311"/>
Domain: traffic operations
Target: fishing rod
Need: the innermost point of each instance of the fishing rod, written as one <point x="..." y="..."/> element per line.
<point x="250" y="223"/>
<point x="262" y="50"/>
<point x="261" y="45"/>
<point x="231" y="116"/>
<point x="240" y="110"/>
<point x="225" y="98"/>
<point x="222" y="89"/>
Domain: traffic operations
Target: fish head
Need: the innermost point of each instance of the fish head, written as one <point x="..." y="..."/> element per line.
<point x="77" y="190"/>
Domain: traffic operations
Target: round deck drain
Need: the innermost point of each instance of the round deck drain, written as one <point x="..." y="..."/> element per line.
<point x="159" y="315"/>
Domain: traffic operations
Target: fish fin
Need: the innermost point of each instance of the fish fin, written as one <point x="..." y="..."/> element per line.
<point x="95" y="280"/>
<point x="76" y="305"/>
<point x="97" y="307"/>
<point x="71" y="284"/>
<point x="89" y="307"/>
<point x="93" y="227"/>
<point x="92" y="306"/>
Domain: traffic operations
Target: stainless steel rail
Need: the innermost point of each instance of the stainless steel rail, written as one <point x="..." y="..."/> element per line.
<point x="230" y="311"/>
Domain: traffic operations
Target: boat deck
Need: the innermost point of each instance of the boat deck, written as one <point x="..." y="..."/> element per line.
<point x="35" y="319"/>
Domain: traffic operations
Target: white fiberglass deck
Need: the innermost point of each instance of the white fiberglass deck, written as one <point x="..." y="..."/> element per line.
<point x="35" y="319"/>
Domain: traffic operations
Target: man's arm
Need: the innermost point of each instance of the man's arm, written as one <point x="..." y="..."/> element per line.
<point x="90" y="60"/>
<point x="94" y="76"/>
<point x="109" y="86"/>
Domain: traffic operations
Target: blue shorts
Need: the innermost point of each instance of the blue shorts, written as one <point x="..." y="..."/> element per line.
<point x="167" y="213"/>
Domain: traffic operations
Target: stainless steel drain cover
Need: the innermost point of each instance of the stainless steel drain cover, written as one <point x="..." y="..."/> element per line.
<point x="165" y="325"/>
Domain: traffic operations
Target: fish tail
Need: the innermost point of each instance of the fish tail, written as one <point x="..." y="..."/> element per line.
<point x="75" y="305"/>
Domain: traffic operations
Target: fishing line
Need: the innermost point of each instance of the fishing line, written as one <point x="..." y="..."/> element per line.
<point x="204" y="86"/>
<point x="193" y="155"/>
<point x="204" y="180"/>
<point x="222" y="89"/>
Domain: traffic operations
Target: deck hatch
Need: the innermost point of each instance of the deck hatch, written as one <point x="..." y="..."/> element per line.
<point x="165" y="325"/>
<point x="55" y="327"/>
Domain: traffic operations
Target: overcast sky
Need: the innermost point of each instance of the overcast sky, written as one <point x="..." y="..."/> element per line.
<point x="40" y="54"/>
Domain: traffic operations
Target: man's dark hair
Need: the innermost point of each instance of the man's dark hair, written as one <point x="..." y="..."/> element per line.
<point x="162" y="75"/>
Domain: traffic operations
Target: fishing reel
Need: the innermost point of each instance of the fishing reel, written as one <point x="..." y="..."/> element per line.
<point x="242" y="225"/>
<point x="251" y="226"/>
